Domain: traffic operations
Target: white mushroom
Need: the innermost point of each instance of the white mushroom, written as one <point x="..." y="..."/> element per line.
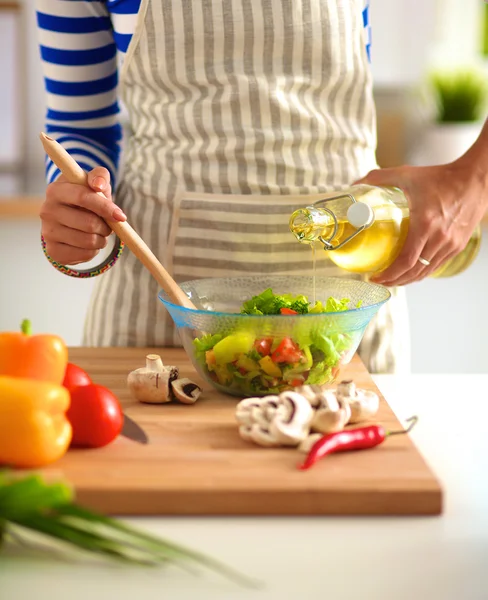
<point x="185" y="390"/>
<point x="364" y="404"/>
<point x="311" y="393"/>
<point x="275" y="420"/>
<point x="151" y="384"/>
<point x="251" y="410"/>
<point x="332" y="414"/>
<point x="306" y="445"/>
<point x="292" y="425"/>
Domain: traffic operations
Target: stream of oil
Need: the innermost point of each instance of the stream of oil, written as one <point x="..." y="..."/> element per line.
<point x="314" y="272"/>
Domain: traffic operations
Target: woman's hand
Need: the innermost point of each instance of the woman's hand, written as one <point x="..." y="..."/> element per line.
<point x="73" y="216"/>
<point x="446" y="204"/>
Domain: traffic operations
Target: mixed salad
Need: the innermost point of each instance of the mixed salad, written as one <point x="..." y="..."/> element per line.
<point x="259" y="365"/>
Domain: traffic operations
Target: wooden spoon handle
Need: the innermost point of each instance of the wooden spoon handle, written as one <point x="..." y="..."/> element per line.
<point x="75" y="174"/>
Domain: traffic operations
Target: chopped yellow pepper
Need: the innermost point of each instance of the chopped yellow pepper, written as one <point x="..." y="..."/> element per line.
<point x="269" y="367"/>
<point x="34" y="429"/>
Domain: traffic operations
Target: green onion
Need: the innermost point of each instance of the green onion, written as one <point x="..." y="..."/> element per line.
<point x="31" y="504"/>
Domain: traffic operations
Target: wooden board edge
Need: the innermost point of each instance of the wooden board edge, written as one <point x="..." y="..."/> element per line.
<point x="270" y="504"/>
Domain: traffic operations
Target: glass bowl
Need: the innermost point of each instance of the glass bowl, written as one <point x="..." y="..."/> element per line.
<point x="258" y="355"/>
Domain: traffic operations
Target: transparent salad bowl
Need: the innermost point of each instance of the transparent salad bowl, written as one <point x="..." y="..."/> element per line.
<point x="257" y="354"/>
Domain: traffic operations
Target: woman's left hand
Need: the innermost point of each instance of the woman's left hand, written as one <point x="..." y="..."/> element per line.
<point x="446" y="204"/>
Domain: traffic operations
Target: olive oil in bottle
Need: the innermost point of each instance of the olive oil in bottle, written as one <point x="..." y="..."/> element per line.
<point x="364" y="229"/>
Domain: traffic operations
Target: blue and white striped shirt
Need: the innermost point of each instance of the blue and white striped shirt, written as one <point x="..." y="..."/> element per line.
<point x="82" y="45"/>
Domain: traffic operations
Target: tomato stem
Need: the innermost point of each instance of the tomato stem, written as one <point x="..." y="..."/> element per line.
<point x="26" y="327"/>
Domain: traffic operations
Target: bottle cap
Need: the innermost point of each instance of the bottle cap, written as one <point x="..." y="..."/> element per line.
<point x="360" y="214"/>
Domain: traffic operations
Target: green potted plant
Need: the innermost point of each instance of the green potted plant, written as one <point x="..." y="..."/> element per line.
<point x="458" y="108"/>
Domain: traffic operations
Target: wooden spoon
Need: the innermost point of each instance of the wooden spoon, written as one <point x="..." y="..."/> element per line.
<point x="75" y="174"/>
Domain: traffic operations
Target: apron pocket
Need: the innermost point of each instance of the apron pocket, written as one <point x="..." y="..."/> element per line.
<point x="214" y="235"/>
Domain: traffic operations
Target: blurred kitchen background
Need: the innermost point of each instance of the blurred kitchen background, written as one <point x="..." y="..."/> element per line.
<point x="410" y="38"/>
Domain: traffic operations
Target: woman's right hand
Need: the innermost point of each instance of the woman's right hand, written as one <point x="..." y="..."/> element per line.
<point x="72" y="216"/>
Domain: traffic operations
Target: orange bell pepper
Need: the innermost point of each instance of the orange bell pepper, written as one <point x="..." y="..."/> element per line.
<point x="34" y="429"/>
<point x="40" y="357"/>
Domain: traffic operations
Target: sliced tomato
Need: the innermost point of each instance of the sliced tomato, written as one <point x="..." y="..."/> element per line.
<point x="287" y="352"/>
<point x="263" y="346"/>
<point x="297" y="382"/>
<point x="288" y="311"/>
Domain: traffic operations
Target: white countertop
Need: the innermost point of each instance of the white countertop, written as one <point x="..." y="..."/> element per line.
<point x="427" y="558"/>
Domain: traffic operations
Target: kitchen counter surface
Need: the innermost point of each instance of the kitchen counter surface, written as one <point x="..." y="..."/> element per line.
<point x="429" y="558"/>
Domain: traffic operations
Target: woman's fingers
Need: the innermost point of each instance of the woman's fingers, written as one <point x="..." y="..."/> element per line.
<point x="78" y="219"/>
<point x="76" y="238"/>
<point x="80" y="196"/>
<point x="408" y="259"/>
<point x="74" y="217"/>
<point x="69" y="255"/>
<point x="99" y="180"/>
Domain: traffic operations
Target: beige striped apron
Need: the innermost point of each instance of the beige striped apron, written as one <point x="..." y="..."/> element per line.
<point x="240" y="111"/>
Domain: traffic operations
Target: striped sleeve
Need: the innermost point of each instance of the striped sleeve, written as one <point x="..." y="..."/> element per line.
<point x="79" y="65"/>
<point x="367" y="28"/>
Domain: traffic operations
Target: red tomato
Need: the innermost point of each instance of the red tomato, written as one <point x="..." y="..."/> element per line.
<point x="286" y="352"/>
<point x="95" y="416"/>
<point x="288" y="311"/>
<point x="263" y="346"/>
<point x="74" y="376"/>
<point x="297" y="382"/>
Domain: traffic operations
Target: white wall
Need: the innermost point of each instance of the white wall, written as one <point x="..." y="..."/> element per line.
<point x="409" y="36"/>
<point x="31" y="289"/>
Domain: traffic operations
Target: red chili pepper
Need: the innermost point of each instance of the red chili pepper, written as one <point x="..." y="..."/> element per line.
<point x="350" y="439"/>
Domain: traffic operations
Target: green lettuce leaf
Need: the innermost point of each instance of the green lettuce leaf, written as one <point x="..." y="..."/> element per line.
<point x="204" y="343"/>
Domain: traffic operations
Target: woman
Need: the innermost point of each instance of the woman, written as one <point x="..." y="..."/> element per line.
<point x="239" y="111"/>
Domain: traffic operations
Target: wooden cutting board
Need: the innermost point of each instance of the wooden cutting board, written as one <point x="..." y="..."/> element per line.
<point x="196" y="463"/>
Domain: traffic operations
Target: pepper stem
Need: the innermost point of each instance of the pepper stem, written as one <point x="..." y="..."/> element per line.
<point x="412" y="420"/>
<point x="26" y="327"/>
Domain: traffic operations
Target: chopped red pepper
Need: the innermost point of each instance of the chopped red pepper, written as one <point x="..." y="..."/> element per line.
<point x="287" y="352"/>
<point x="288" y="311"/>
<point x="350" y="439"/>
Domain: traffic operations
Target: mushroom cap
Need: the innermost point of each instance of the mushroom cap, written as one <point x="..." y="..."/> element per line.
<point x="150" y="387"/>
<point x="185" y="390"/>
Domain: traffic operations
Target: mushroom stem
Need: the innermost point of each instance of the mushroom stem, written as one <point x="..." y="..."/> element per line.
<point x="154" y="363"/>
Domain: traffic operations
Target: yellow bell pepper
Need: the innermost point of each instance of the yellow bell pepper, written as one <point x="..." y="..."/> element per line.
<point x="34" y="429"/>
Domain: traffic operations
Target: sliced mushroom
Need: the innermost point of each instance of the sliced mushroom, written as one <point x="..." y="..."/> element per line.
<point x="275" y="420"/>
<point x="311" y="393"/>
<point x="264" y="437"/>
<point x="306" y="445"/>
<point x="332" y="414"/>
<point x="347" y="389"/>
<point x="151" y="384"/>
<point x="185" y="390"/>
<point x="292" y="424"/>
<point x="250" y="409"/>
<point x="364" y="403"/>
